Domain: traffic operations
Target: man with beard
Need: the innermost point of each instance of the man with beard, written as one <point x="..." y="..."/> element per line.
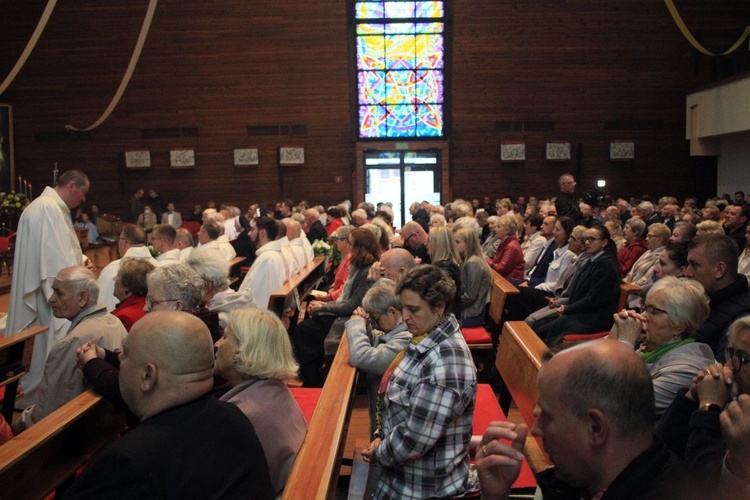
<point x="267" y="273"/>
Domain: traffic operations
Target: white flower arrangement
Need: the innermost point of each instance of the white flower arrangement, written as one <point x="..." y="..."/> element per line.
<point x="13" y="203"/>
<point x="320" y="247"/>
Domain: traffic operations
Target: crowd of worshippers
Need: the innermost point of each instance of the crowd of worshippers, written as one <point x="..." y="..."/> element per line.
<point x="658" y="409"/>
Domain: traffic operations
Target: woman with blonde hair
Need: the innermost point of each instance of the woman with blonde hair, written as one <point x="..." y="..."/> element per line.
<point x="443" y="255"/>
<point x="508" y="260"/>
<point x="476" y="277"/>
<point x="255" y="356"/>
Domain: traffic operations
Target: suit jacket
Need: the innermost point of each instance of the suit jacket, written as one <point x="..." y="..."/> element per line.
<point x="317" y="231"/>
<point x="538" y="272"/>
<point x="176" y="219"/>
<point x="202" y="449"/>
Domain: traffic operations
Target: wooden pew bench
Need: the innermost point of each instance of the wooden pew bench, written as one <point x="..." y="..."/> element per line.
<point x="45" y="456"/>
<point x="301" y="283"/>
<point x="316" y="468"/>
<point x="15" y="358"/>
<point x="519" y="357"/>
<point x="479" y="337"/>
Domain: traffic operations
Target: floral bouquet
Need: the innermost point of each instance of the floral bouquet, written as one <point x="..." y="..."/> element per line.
<point x="320" y="247"/>
<point x="13" y="203"/>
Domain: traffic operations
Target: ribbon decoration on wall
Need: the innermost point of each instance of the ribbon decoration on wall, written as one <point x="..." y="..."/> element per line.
<point x="128" y="73"/>
<point x="695" y="43"/>
<point x="29" y="46"/>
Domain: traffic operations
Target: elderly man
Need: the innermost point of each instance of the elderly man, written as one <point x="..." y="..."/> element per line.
<point x="267" y="273"/>
<point x="737" y="217"/>
<point x="414" y="239"/>
<point x="132" y="243"/>
<point x="392" y="265"/>
<point x="166" y="373"/>
<point x="211" y="235"/>
<point x="74" y="298"/>
<point x="46" y="243"/>
<point x="595" y="413"/>
<point x="315" y="229"/>
<point x="171" y="217"/>
<point x="565" y="204"/>
<point x="163" y="242"/>
<point x="183" y="241"/>
<point x="712" y="262"/>
<point x="294" y="235"/>
<point x="647" y="213"/>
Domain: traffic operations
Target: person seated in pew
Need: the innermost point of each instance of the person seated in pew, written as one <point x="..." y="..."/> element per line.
<point x="673" y="310"/>
<point x="392" y="265"/>
<point x="243" y="245"/>
<point x="692" y="425"/>
<point x="376" y="334"/>
<point x="211" y="235"/>
<point x="310" y="335"/>
<point x="188" y="444"/>
<point x="735" y="425"/>
<point x="444" y="255"/>
<point x="291" y="265"/>
<point x="294" y="235"/>
<point x="508" y="260"/>
<point x="489" y="247"/>
<point x="476" y="278"/>
<point x="642" y="272"/>
<point x="427" y="398"/>
<point x="218" y="297"/>
<point x="75" y="295"/>
<point x="163" y="242"/>
<point x="170" y="288"/>
<point x="183" y="241"/>
<point x="594" y="293"/>
<point x="672" y="262"/>
<point x="131" y="290"/>
<point x="254" y="354"/>
<point x="595" y="413"/>
<point x="342" y="271"/>
<point x="268" y="271"/>
<point x="634" y="247"/>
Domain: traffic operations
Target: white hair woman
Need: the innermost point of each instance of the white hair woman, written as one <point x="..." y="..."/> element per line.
<point x="674" y="308"/>
<point x="255" y="356"/>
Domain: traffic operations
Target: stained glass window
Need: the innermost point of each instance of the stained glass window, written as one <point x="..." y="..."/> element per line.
<point x="400" y="58"/>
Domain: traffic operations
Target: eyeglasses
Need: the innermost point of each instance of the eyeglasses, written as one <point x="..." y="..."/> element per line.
<point x="589" y="239"/>
<point x="737" y="359"/>
<point x="573" y="238"/>
<point x="652" y="310"/>
<point x="150" y="301"/>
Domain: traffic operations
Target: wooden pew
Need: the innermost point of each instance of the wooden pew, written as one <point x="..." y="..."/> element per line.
<point x="303" y="283"/>
<point x="15" y="358"/>
<point x="519" y="357"/>
<point x="43" y="457"/>
<point x="316" y="468"/>
<point x="625" y="290"/>
<point x="478" y="338"/>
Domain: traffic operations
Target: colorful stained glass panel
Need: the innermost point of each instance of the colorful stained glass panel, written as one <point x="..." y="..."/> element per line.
<point x="401" y="120"/>
<point x="400" y="52"/>
<point x="372" y="121"/>
<point x="428" y="87"/>
<point x="370" y="52"/>
<point x="397" y="10"/>
<point x="429" y="120"/>
<point x="429" y="9"/>
<point x="399" y="87"/>
<point x="369" y="10"/>
<point x="429" y="51"/>
<point x="372" y="87"/>
<point x="370" y="29"/>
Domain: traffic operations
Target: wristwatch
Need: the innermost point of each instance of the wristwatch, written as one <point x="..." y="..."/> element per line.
<point x="712" y="407"/>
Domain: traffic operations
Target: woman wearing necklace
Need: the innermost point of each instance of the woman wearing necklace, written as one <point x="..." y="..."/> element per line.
<point x="673" y="309"/>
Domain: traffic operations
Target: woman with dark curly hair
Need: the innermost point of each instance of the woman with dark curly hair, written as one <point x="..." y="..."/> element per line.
<point x="427" y="398"/>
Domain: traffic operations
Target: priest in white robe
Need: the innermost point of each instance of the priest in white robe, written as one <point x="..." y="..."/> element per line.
<point x="46" y="243"/>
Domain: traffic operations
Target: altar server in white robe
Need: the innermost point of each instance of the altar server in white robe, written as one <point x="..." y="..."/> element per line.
<point x="46" y="243"/>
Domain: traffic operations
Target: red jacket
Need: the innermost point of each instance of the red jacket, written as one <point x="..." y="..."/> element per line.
<point x="334" y="225"/>
<point x="130" y="310"/>
<point x="628" y="254"/>
<point x="509" y="261"/>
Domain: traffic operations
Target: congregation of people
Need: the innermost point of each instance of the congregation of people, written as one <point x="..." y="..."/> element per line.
<point x="199" y="364"/>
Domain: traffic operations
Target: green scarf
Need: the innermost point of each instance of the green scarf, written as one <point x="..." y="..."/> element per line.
<point x="650" y="357"/>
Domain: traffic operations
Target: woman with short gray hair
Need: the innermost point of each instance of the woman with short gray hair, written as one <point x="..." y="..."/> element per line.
<point x="673" y="310"/>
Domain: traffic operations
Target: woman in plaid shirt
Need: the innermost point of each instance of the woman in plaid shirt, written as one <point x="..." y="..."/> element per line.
<point x="428" y="396"/>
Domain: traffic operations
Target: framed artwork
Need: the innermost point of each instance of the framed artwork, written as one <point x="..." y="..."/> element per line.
<point x="138" y="158"/>
<point x="182" y="158"/>
<point x="621" y="150"/>
<point x="291" y="156"/>
<point x="245" y="157"/>
<point x="7" y="161"/>
<point x="512" y="151"/>
<point x="558" y="151"/>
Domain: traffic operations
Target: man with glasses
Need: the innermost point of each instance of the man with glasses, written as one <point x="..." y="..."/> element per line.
<point x="713" y="261"/>
<point x="692" y="426"/>
<point x="414" y="239"/>
<point x="565" y="204"/>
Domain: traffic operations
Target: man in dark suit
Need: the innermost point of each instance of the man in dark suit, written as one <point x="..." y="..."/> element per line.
<point x="315" y="229"/>
<point x="565" y="204"/>
<point x="166" y="373"/>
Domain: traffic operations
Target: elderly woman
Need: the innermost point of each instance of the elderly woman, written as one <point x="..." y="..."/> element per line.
<point x="428" y="394"/>
<point x="674" y="308"/>
<point x="342" y="271"/>
<point x="489" y="247"/>
<point x="213" y="269"/>
<point x="255" y="356"/>
<point x="476" y="277"/>
<point x="641" y="274"/>
<point x="634" y="247"/>
<point x="708" y="227"/>
<point x="131" y="290"/>
<point x="508" y="260"/>
<point x="376" y="334"/>
<point x="683" y="232"/>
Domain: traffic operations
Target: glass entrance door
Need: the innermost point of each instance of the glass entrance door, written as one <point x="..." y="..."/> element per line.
<point x="401" y="178"/>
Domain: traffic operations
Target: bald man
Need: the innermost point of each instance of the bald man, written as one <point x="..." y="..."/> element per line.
<point x="595" y="414"/>
<point x="188" y="445"/>
<point x="393" y="263"/>
<point x="294" y="234"/>
<point x="414" y="239"/>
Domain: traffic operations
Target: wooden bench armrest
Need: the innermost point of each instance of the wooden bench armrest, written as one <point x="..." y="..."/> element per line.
<point x="279" y="296"/>
<point x="316" y="468"/>
<point x="15" y="359"/>
<point x="625" y="290"/>
<point x="501" y="288"/>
